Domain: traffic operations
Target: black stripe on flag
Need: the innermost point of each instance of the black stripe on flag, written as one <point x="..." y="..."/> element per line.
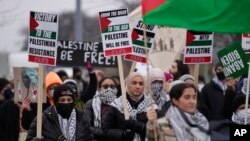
<point x="148" y="34"/>
<point x="199" y="33"/>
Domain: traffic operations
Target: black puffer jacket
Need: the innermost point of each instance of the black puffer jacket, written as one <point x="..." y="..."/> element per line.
<point x="87" y="122"/>
<point x="114" y="119"/>
<point x="50" y="126"/>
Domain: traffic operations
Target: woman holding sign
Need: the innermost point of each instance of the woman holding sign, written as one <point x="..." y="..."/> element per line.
<point x="135" y="127"/>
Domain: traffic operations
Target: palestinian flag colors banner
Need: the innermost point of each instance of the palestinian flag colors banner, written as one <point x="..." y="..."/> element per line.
<point x="139" y="52"/>
<point x="116" y="36"/>
<point x="245" y="42"/>
<point x="198" y="48"/>
<point x="42" y="43"/>
<point x="233" y="60"/>
<point x="228" y="16"/>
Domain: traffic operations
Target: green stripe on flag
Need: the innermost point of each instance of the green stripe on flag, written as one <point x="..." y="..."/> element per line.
<point x="201" y="43"/>
<point x="141" y="43"/>
<point x="43" y="34"/>
<point x="114" y="28"/>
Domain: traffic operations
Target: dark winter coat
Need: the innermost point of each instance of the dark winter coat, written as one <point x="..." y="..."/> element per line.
<point x="87" y="121"/>
<point x="9" y="121"/>
<point x="164" y="109"/>
<point x="114" y="119"/>
<point x="28" y="116"/>
<point x="51" y="130"/>
<point x="90" y="90"/>
<point x="213" y="97"/>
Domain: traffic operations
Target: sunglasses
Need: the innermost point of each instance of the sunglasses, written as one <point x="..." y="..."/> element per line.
<point x="106" y="86"/>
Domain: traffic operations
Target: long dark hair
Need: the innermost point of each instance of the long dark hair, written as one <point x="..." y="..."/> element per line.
<point x="182" y="69"/>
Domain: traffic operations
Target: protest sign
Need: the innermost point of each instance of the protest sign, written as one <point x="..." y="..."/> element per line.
<point x="116" y="36"/>
<point x="42" y="43"/>
<point x="139" y="52"/>
<point x="198" y="48"/>
<point x="26" y="84"/>
<point x="233" y="60"/>
<point x="73" y="53"/>
<point x="245" y="42"/>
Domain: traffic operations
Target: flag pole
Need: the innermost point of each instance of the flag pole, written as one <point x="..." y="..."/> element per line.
<point x="196" y="74"/>
<point x="124" y="99"/>
<point x="40" y="101"/>
<point x="247" y="94"/>
<point x="132" y="69"/>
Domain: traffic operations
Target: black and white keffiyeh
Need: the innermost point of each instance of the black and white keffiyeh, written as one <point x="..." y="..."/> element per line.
<point x="158" y="94"/>
<point x="188" y="126"/>
<point x="239" y="116"/>
<point x="103" y="97"/>
<point x="68" y="127"/>
<point x="142" y="107"/>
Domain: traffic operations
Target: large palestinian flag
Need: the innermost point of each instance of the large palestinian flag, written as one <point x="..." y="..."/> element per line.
<point x="199" y="15"/>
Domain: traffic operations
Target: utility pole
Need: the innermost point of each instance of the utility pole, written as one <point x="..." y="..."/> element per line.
<point x="78" y="22"/>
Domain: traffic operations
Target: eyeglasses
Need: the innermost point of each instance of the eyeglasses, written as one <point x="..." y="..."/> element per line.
<point x="106" y="86"/>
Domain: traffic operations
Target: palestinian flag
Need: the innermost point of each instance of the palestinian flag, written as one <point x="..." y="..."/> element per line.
<point x="229" y="16"/>
<point x="195" y="38"/>
<point x="137" y="37"/>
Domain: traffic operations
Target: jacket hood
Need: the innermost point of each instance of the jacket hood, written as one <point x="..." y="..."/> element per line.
<point x="51" y="78"/>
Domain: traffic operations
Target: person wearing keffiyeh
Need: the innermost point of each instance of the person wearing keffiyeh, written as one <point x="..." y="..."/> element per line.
<point x="182" y="122"/>
<point x="60" y="121"/>
<point x="133" y="129"/>
<point x="95" y="108"/>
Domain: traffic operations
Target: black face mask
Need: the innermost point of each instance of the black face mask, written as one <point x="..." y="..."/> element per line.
<point x="64" y="109"/>
<point x="221" y="76"/>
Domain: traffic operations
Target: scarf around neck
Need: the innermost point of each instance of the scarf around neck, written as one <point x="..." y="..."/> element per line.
<point x="188" y="126"/>
<point x="68" y="127"/>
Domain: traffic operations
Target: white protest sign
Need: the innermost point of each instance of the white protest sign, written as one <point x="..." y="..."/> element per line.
<point x="116" y="36"/>
<point x="139" y="51"/>
<point x="245" y="42"/>
<point x="43" y="36"/>
<point x="198" y="48"/>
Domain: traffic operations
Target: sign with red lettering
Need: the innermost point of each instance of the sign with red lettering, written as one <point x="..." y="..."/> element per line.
<point x="116" y="36"/>
<point x="42" y="43"/>
<point x="139" y="52"/>
<point x="198" y="48"/>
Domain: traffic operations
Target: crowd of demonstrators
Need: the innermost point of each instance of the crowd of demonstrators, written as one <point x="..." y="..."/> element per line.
<point x="97" y="107"/>
<point x="9" y="113"/>
<point x="30" y="109"/>
<point x="60" y="121"/>
<point x="182" y="122"/>
<point x="62" y="74"/>
<point x="138" y="102"/>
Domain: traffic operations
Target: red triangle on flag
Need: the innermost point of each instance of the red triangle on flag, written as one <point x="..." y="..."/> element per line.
<point x="135" y="35"/>
<point x="190" y="38"/>
<point x="33" y="24"/>
<point x="104" y="23"/>
<point x="148" y="5"/>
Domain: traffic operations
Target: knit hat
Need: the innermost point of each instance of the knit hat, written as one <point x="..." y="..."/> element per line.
<point x="186" y="77"/>
<point x="238" y="100"/>
<point x="156" y="74"/>
<point x="62" y="90"/>
<point x="72" y="83"/>
<point x="3" y="83"/>
<point x="168" y="76"/>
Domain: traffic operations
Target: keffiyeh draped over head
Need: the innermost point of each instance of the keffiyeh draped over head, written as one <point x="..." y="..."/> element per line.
<point x="103" y="97"/>
<point x="188" y="126"/>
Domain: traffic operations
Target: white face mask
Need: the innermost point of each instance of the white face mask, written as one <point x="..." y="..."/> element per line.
<point x="200" y="86"/>
<point x="239" y="117"/>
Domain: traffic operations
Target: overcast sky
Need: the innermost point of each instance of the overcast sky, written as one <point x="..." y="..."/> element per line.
<point x="14" y="16"/>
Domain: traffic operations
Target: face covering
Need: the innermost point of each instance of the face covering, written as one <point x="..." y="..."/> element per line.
<point x="109" y="95"/>
<point x="156" y="89"/>
<point x="221" y="76"/>
<point x="64" y="109"/>
<point x="239" y="117"/>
